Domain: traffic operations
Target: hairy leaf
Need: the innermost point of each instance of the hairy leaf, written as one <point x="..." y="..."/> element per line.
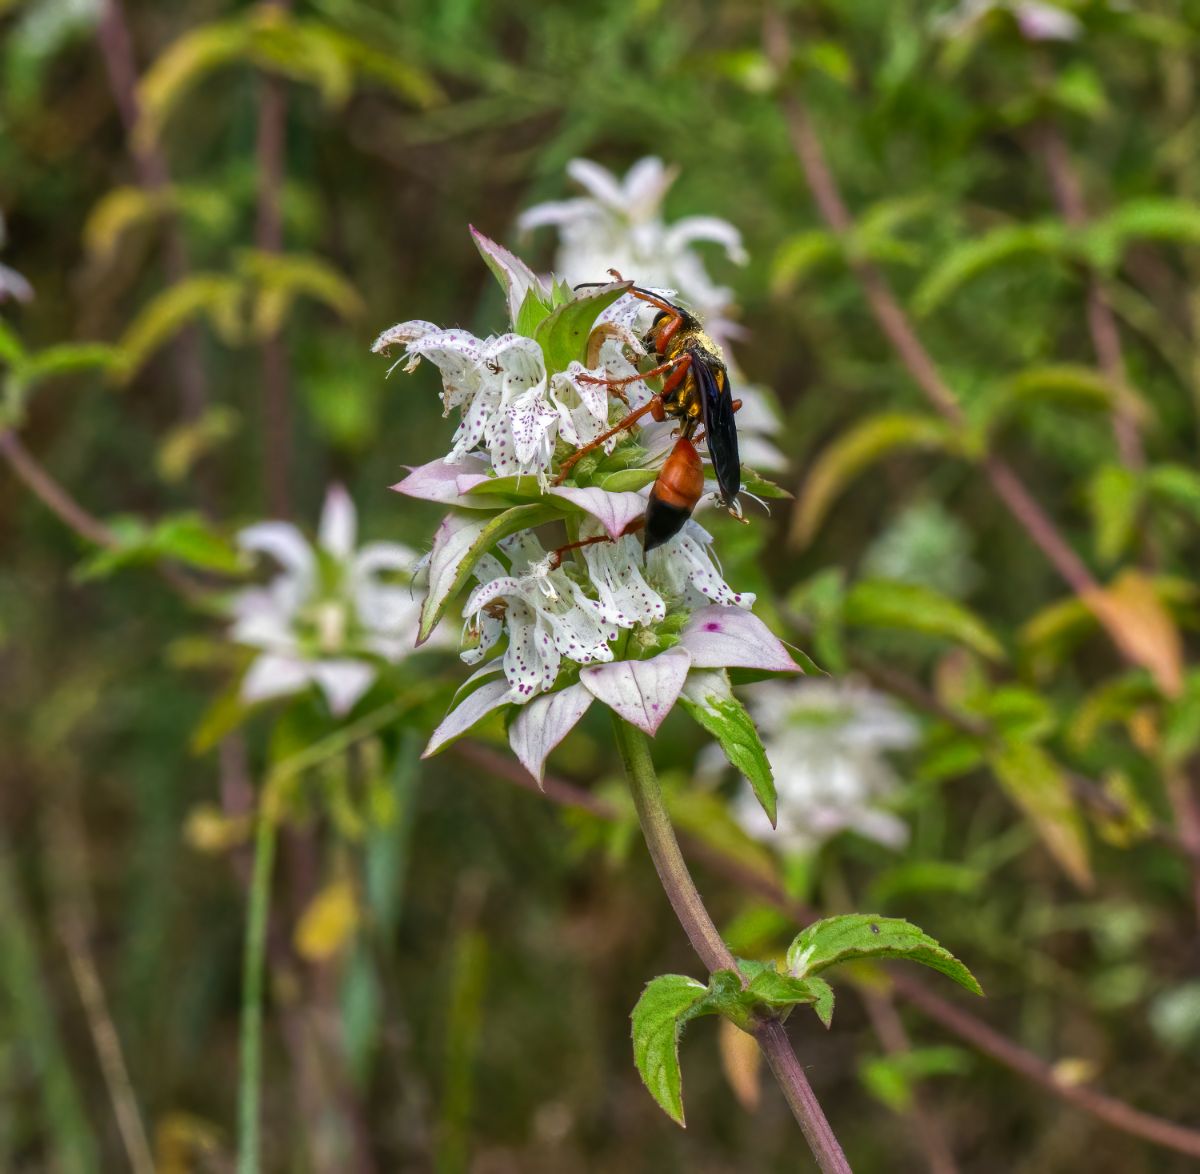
<point x="667" y="1003"/>
<point x="853" y="936"/>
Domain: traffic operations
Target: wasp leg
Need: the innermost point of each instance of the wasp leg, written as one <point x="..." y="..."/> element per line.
<point x="556" y="556"/>
<point x="680" y="362"/>
<point x="654" y="407"/>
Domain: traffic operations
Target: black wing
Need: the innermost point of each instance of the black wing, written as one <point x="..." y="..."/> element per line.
<point x="719" y="428"/>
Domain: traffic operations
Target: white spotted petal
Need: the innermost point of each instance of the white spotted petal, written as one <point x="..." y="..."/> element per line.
<point x="642" y="692"/>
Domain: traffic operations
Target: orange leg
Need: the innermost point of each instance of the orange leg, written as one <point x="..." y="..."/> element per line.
<point x="679" y="363"/>
<point x="654" y="408"/>
<point x="556" y="556"/>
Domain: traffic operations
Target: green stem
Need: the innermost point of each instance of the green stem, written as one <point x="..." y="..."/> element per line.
<point x="253" y="968"/>
<point x="710" y="946"/>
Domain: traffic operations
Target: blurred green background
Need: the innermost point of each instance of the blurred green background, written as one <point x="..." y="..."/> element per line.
<point x="470" y="1010"/>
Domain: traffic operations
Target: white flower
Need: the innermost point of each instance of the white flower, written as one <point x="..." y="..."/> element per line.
<point x="685" y="569"/>
<point x="329" y="614"/>
<point x="545" y="613"/>
<point x="619" y="225"/>
<point x="1036" y="21"/>
<point x="826" y="743"/>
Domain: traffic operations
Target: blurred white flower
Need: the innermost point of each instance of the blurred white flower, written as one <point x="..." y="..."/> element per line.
<point x="330" y="613"/>
<point x="1036" y="21"/>
<point x="926" y="545"/>
<point x="826" y="743"/>
<point x="619" y="225"/>
<point x="12" y="284"/>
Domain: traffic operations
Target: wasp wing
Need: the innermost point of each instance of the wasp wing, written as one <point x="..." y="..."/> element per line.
<point x="720" y="430"/>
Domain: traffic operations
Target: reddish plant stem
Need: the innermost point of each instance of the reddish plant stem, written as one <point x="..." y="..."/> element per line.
<point x="710" y="947"/>
<point x="117" y="50"/>
<point x="967" y="1027"/>
<point x="1102" y="323"/>
<point x="271" y="153"/>
<point x="929" y="1136"/>
<point x="50" y="493"/>
<point x="912" y="353"/>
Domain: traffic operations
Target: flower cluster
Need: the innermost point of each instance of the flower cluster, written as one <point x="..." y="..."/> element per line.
<point x="619" y="224"/>
<point x="331" y="614"/>
<point x="552" y="628"/>
<point x="827" y="743"/>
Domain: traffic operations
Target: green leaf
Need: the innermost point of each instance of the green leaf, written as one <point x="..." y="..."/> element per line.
<point x="216" y="294"/>
<point x="882" y="603"/>
<point x="667" y="1003"/>
<point x="276" y="280"/>
<point x="1067" y="385"/>
<point x="12" y="352"/>
<point x="534" y="310"/>
<point x="780" y="992"/>
<point x="971" y="258"/>
<point x="1177" y="485"/>
<point x="853" y="936"/>
<point x="798" y="255"/>
<point x="758" y="485"/>
<point x="625" y="480"/>
<point x="453" y="560"/>
<point x="1114" y="495"/>
<point x="67" y="358"/>
<point x="1148" y="218"/>
<point x="709" y="699"/>
<point x="1041" y="789"/>
<point x="188" y="538"/>
<point x="867" y="442"/>
<point x="563" y="334"/>
<point x="892" y="1079"/>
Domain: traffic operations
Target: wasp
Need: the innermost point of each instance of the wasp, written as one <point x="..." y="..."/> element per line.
<point x="696" y="392"/>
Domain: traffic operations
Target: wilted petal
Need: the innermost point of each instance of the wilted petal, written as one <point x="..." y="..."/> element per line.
<point x="468" y="713"/>
<point x="544" y="723"/>
<point x="643" y="692"/>
<point x="402" y="334"/>
<point x="343" y="682"/>
<point x="614" y="511"/>
<point x="274" y="676"/>
<point x="339" y="524"/>
<point x="728" y="637"/>
<point x="458" y="354"/>
<point x="516" y="277"/>
<point x="441" y="480"/>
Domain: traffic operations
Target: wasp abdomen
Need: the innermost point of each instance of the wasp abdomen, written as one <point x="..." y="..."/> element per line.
<point x="675" y="494"/>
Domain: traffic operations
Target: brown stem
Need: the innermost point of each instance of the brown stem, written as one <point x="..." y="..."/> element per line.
<point x="894" y="323"/>
<point x="277" y="409"/>
<point x="117" y="50"/>
<point x="1102" y="323"/>
<point x="967" y="1027"/>
<point x="889" y="1028"/>
<point x="707" y="942"/>
<point x="50" y="493"/>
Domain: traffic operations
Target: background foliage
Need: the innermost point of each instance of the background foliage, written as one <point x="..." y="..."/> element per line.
<point x="453" y="961"/>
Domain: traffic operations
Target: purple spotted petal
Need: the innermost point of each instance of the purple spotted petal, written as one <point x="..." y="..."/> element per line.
<point x="643" y="692"/>
<point x="730" y="637"/>
<point x="614" y="511"/>
<point x="545" y="722"/>
<point x="441" y="481"/>
<point x="471" y="711"/>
